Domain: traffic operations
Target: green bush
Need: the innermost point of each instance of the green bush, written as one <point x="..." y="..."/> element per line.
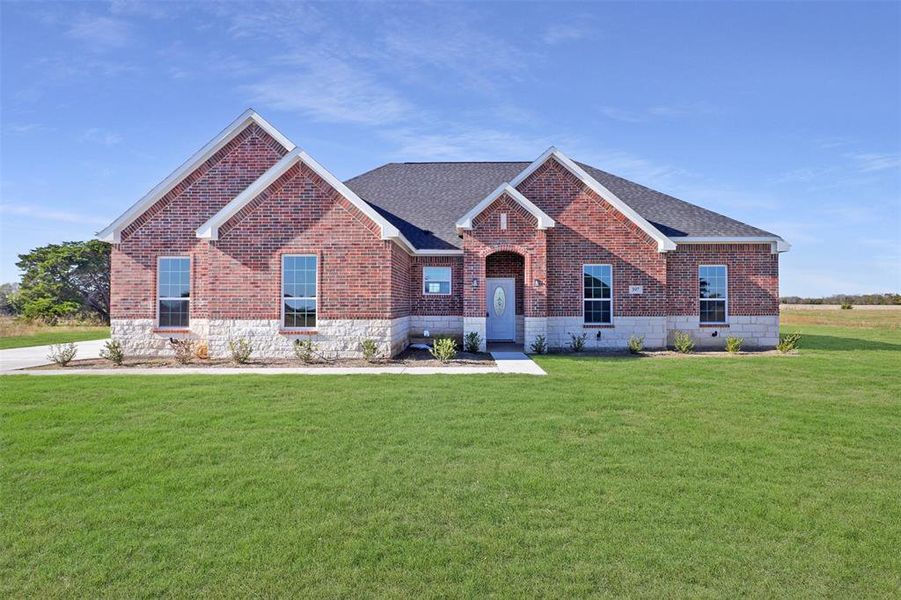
<point x="472" y="342"/>
<point x="683" y="342"/>
<point x="371" y="350"/>
<point x="788" y="342"/>
<point x="539" y="345"/>
<point x="733" y="344"/>
<point x="112" y="351"/>
<point x="240" y="350"/>
<point x="636" y="344"/>
<point x="847" y="306"/>
<point x="62" y="354"/>
<point x="306" y="350"/>
<point x="444" y="349"/>
<point x="184" y="350"/>
<point x="577" y="342"/>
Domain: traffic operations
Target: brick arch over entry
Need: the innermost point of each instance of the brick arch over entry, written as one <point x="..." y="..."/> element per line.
<point x="509" y="264"/>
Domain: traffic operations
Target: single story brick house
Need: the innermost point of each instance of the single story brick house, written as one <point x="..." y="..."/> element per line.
<point x="251" y="237"/>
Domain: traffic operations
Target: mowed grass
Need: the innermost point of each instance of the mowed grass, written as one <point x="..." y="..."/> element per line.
<point x="695" y="477"/>
<point x="16" y="334"/>
<point x="855" y="318"/>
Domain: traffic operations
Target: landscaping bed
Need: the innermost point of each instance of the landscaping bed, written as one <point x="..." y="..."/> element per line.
<point x="700" y="352"/>
<point x="411" y="357"/>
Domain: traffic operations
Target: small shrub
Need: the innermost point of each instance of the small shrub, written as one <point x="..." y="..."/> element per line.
<point x="371" y="350"/>
<point x="683" y="342"/>
<point x="539" y="345"/>
<point x="636" y="344"/>
<point x="472" y="342"/>
<point x="577" y="342"/>
<point x="306" y="350"/>
<point x="733" y="344"/>
<point x="112" y="351"/>
<point x="444" y="349"/>
<point x="847" y="306"/>
<point x="62" y="354"/>
<point x="201" y="350"/>
<point x="240" y="350"/>
<point x="788" y="342"/>
<point x="184" y="350"/>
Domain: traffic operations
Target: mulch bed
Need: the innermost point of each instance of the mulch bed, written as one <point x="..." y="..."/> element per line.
<point x="411" y="357"/>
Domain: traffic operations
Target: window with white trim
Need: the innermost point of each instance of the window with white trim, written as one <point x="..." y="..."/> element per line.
<point x="299" y="291"/>
<point x="436" y="281"/>
<point x="597" y="292"/>
<point x="174" y="291"/>
<point x="713" y="285"/>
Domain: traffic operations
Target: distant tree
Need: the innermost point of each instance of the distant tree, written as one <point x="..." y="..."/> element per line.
<point x="7" y="295"/>
<point x="63" y="280"/>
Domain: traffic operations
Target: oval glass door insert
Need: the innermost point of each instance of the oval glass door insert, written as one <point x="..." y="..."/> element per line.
<point x="500" y="301"/>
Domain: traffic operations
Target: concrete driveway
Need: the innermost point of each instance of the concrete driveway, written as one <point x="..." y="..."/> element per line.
<point x="35" y="356"/>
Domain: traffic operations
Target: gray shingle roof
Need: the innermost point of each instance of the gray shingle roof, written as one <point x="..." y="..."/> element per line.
<point x="425" y="200"/>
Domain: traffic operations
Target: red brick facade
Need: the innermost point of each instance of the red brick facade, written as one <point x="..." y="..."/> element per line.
<point x="168" y="227"/>
<point x="361" y="276"/>
<point x="588" y="230"/>
<point x="753" y="277"/>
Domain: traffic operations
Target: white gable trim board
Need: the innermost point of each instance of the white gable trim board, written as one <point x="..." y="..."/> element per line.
<point x="112" y="233"/>
<point x="664" y="244"/>
<point x="210" y="229"/>
<point x="544" y="221"/>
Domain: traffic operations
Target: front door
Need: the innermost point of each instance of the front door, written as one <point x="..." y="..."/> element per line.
<point x="501" y="309"/>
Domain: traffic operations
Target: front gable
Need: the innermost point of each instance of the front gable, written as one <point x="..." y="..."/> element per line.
<point x="555" y="162"/>
<point x="249" y="144"/>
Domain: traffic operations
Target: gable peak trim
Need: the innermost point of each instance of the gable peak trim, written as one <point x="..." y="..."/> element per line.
<point x="210" y="229"/>
<point x="664" y="244"/>
<point x="112" y="233"/>
<point x="544" y="221"/>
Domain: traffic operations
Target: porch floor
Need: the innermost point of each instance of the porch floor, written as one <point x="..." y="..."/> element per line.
<point x="504" y="347"/>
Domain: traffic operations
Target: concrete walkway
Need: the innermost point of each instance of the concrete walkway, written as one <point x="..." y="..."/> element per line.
<point x="516" y="362"/>
<point x="35" y="356"/>
<point x="23" y="358"/>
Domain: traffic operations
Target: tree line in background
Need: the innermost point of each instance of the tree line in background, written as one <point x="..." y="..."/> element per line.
<point x="67" y="281"/>
<point x="845" y="299"/>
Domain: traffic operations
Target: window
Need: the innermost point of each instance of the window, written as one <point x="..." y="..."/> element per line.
<point x="436" y="281"/>
<point x="299" y="292"/>
<point x="713" y="286"/>
<point x="174" y="280"/>
<point x="598" y="293"/>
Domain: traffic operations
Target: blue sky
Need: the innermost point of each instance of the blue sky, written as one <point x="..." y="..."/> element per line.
<point x="786" y="116"/>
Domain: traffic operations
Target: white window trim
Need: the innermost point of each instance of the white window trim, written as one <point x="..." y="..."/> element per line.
<point x="450" y="280"/>
<point x="315" y="298"/>
<point x="159" y="297"/>
<point x="582" y="275"/>
<point x="725" y="298"/>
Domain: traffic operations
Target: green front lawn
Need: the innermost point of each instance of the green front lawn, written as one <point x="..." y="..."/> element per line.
<point x="761" y="476"/>
<point x="54" y="335"/>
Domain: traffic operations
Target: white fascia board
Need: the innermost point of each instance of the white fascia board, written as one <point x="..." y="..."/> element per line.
<point x="664" y="244"/>
<point x="544" y="221"/>
<point x="112" y="232"/>
<point x="432" y="252"/>
<point x="778" y="243"/>
<point x="210" y="229"/>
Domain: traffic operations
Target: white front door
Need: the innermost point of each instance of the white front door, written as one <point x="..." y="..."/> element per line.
<point x="501" y="304"/>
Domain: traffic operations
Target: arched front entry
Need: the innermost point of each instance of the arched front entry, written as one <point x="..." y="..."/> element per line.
<point x="504" y="296"/>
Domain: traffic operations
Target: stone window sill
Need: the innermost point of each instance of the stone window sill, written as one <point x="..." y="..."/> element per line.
<point x="298" y="332"/>
<point x="602" y="326"/>
<point x="170" y="331"/>
<point x="714" y="325"/>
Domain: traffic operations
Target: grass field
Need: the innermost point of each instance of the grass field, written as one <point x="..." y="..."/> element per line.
<point x="757" y="476"/>
<point x="16" y="334"/>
